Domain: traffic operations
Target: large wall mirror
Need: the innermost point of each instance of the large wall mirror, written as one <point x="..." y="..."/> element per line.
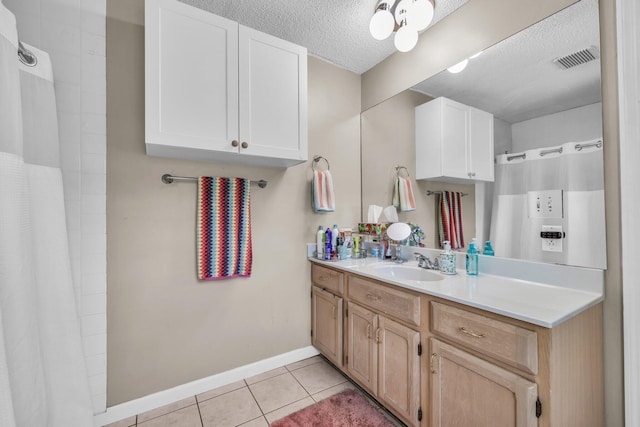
<point x="542" y="86"/>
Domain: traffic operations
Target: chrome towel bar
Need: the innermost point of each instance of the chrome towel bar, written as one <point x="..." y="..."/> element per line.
<point x="168" y="179"/>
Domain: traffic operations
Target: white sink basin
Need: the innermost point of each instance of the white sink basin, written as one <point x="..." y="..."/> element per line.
<point x="407" y="272"/>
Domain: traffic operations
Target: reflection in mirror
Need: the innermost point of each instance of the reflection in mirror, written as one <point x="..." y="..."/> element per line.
<point x="542" y="86"/>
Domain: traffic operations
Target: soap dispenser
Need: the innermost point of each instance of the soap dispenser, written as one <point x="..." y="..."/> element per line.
<point x="472" y="259"/>
<point x="447" y="260"/>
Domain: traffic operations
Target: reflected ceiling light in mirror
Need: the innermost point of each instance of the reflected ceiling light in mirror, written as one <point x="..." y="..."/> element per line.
<point x="458" y="67"/>
<point x="476" y="55"/>
<point x="405" y="17"/>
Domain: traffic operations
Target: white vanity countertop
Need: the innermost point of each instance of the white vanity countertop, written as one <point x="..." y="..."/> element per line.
<point x="542" y="304"/>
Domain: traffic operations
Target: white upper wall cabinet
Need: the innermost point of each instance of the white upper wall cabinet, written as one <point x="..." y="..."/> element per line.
<point x="219" y="91"/>
<point x="454" y="142"/>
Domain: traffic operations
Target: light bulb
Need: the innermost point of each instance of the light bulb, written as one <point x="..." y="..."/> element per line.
<point x="381" y="24"/>
<point x="458" y="67"/>
<point x="420" y="14"/>
<point x="406" y="38"/>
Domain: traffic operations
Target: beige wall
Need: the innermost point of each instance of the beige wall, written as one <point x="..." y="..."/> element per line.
<point x="166" y="328"/>
<point x="388" y="139"/>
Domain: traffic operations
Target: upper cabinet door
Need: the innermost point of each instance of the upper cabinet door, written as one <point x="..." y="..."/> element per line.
<point x="273" y="96"/>
<point x="191" y="78"/>
<point x="455" y="118"/>
<point x="481" y="138"/>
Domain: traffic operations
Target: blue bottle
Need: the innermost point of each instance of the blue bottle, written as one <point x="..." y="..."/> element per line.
<point x="472" y="259"/>
<point x="488" y="250"/>
<point x="328" y="247"/>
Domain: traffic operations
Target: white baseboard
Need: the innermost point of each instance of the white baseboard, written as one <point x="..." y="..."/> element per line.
<point x="161" y="398"/>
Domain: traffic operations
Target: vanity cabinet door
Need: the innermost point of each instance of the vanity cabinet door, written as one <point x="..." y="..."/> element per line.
<point x="363" y="351"/>
<point x="326" y="324"/>
<point x="399" y="368"/>
<point x="469" y="391"/>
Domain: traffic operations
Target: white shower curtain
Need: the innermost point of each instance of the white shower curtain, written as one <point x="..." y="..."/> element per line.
<point x="578" y="172"/>
<point x="43" y="379"/>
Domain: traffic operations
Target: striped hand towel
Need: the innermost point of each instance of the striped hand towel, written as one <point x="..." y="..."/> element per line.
<point x="403" y="195"/>
<point x="450" y="219"/>
<point x="223" y="228"/>
<point x="322" y="198"/>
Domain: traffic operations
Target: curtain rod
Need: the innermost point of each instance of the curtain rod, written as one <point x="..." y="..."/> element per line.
<point x="168" y="179"/>
<point x="431" y="193"/>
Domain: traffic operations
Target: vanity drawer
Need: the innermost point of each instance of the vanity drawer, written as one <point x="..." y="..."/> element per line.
<point x="394" y="302"/>
<point x="327" y="279"/>
<point x="503" y="341"/>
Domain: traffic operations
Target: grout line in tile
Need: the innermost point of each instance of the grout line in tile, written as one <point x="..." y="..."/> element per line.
<point x="254" y="399"/>
<point x="199" y="413"/>
<point x="290" y="403"/>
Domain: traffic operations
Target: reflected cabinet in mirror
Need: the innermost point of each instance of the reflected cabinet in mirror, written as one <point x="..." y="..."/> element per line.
<point x="545" y="199"/>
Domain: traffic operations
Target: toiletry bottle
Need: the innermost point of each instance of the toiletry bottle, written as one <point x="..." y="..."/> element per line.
<point x="327" y="243"/>
<point x="356" y="246"/>
<point x="334" y="237"/>
<point x="320" y="242"/>
<point x="472" y="259"/>
<point x="448" y="259"/>
<point x="488" y="250"/>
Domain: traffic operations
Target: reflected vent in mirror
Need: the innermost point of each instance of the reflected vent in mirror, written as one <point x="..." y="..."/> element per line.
<point x="577" y="58"/>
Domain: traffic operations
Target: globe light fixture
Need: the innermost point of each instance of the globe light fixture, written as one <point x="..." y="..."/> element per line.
<point x="404" y="17"/>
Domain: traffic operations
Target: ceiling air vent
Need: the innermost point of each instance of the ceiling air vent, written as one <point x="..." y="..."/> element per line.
<point x="577" y="58"/>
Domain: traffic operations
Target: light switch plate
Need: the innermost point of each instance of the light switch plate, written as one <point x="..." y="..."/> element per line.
<point x="553" y="244"/>
<point x="545" y="204"/>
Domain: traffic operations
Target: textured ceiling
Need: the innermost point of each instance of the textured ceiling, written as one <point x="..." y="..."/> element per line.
<point x="516" y="79"/>
<point x="335" y="30"/>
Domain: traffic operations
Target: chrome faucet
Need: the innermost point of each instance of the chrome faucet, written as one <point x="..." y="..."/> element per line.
<point x="425" y="262"/>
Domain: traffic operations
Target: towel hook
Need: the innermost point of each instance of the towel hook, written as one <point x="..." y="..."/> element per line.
<point x="399" y="169"/>
<point x="316" y="159"/>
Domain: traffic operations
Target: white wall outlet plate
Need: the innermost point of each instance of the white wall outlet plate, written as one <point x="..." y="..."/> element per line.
<point x="552" y="236"/>
<point x="545" y="204"/>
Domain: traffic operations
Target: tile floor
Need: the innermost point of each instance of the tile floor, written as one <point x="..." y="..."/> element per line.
<point x="253" y="402"/>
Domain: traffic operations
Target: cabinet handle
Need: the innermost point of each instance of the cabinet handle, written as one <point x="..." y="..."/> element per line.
<point x="333" y="311"/>
<point x="245" y="145"/>
<point x="472" y="174"/>
<point x="322" y="278"/>
<point x="433" y="356"/>
<point x="369" y="331"/>
<point x="470" y="333"/>
<point x="377" y="335"/>
<point x="234" y="143"/>
<point x="373" y="297"/>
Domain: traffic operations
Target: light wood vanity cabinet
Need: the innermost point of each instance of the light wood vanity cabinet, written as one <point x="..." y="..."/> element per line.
<point x="478" y="368"/>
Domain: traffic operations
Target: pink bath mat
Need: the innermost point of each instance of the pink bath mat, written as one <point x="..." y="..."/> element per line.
<point x="347" y="409"/>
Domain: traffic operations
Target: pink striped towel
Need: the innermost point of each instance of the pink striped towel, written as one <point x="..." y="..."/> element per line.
<point x="403" y="195"/>
<point x="322" y="197"/>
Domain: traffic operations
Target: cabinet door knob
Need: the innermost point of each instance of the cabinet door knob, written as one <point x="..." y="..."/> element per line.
<point x="377" y="335"/>
<point x="234" y="143"/>
<point x="472" y="174"/>
<point x="245" y="145"/>
<point x="368" y="330"/>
